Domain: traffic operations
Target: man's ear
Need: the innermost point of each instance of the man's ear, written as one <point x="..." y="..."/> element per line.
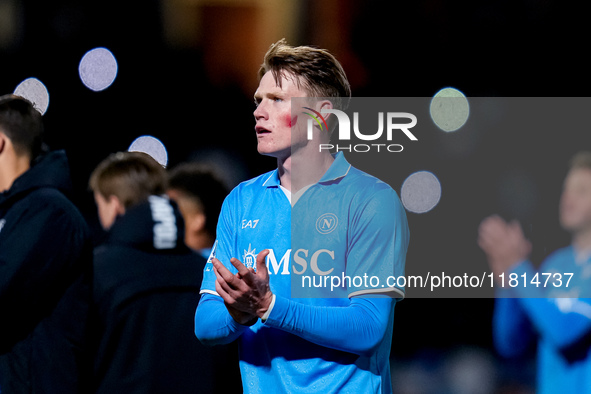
<point x="118" y="205"/>
<point x="196" y="222"/>
<point x="324" y="104"/>
<point x="329" y="118"/>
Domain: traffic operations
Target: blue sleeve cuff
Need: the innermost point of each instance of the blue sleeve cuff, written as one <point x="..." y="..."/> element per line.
<point x="278" y="311"/>
<point x="266" y="315"/>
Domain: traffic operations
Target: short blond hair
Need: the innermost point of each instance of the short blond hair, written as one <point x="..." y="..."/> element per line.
<point x="130" y="176"/>
<point x="314" y="69"/>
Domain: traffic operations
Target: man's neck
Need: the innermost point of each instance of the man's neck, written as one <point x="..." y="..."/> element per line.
<point x="301" y="169"/>
<point x="12" y="167"/>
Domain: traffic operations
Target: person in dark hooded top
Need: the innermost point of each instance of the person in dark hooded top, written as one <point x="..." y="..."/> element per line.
<point x="146" y="286"/>
<point x="45" y="254"/>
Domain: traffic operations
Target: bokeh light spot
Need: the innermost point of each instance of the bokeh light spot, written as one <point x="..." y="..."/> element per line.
<point x="35" y="91"/>
<point x="449" y="109"/>
<point x="420" y="192"/>
<point x="152" y="146"/>
<point x="98" y="69"/>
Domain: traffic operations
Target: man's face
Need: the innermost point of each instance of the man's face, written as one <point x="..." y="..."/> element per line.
<point x="192" y="214"/>
<point x="273" y="115"/>
<point x="575" y="203"/>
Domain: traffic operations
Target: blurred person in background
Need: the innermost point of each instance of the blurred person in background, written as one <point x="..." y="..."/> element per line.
<point x="553" y="306"/>
<point x="146" y="287"/>
<point x="199" y="195"/>
<point x="45" y="258"/>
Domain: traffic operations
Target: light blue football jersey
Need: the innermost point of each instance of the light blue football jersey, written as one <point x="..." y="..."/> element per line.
<point x="347" y="224"/>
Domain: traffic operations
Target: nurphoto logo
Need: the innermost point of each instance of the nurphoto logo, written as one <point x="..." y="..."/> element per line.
<point x="390" y="123"/>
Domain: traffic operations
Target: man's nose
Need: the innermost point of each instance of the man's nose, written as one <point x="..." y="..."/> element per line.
<point x="260" y="111"/>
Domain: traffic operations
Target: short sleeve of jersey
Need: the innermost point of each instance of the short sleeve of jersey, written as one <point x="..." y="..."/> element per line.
<point x="225" y="238"/>
<point x="378" y="241"/>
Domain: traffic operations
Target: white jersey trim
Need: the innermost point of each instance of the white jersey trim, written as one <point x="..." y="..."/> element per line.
<point x="399" y="293"/>
<point x="270" y="176"/>
<point x="286" y="192"/>
<point x="212" y="292"/>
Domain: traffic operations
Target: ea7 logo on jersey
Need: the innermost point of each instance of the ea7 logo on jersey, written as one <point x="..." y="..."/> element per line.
<point x="249" y="223"/>
<point x="326" y="223"/>
<point x="2" y="223"/>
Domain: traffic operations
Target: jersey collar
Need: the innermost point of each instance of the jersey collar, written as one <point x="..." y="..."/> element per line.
<point x="338" y="169"/>
<point x="273" y="179"/>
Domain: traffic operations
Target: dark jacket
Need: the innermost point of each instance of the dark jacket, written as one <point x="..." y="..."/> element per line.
<point x="44" y="296"/>
<point x="146" y="290"/>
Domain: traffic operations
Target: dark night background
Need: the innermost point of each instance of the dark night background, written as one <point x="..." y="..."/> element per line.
<point x="194" y="94"/>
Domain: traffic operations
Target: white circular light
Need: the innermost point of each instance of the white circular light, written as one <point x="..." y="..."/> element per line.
<point x="152" y="146"/>
<point x="98" y="69"/>
<point x="33" y="90"/>
<point x="420" y="192"/>
<point x="449" y="109"/>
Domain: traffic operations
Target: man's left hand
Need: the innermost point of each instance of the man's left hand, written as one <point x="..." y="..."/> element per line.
<point x="246" y="292"/>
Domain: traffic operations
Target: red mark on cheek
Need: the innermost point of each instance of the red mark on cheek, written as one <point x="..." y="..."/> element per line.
<point x="291" y="121"/>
